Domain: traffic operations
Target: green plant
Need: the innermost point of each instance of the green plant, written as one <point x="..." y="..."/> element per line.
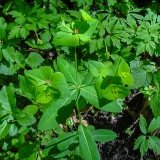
<point x="59" y="58"/>
<point x="148" y="140"/>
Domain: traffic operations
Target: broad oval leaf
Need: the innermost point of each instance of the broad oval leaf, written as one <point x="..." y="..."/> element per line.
<point x="58" y="81"/>
<point x="28" y="87"/>
<point x="87" y="144"/>
<point x="4" y="129"/>
<point x="103" y="135"/>
<point x="26" y="119"/>
<point x="113" y="92"/>
<point x="124" y="73"/>
<point x="40" y="75"/>
<point x="62" y="38"/>
<point x="123" y="67"/>
<point x="43" y="97"/>
<point x="84" y="29"/>
<point x="13" y="129"/>
<point x="31" y="109"/>
<point x="7" y="99"/>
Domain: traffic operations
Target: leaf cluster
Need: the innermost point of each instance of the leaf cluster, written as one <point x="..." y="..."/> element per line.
<point x="59" y="58"/>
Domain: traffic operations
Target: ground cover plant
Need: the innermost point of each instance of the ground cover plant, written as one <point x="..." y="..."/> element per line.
<point x="62" y="59"/>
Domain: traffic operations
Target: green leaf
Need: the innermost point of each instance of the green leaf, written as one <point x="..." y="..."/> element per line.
<point x="113" y="92"/>
<point x="84" y="2"/>
<point x="43" y="97"/>
<point x="68" y="71"/>
<point x="141" y="77"/>
<point x="103" y="135"/>
<point x="155" y="103"/>
<point x="7" y="100"/>
<point x="60" y="143"/>
<point x="124" y="73"/>
<point x="41" y="75"/>
<point x="82" y="102"/>
<point x="45" y="36"/>
<point x="139" y="141"/>
<point x="31" y="109"/>
<point x="154" y="124"/>
<point x="13" y="129"/>
<point x="8" y="68"/>
<point x="85" y="15"/>
<point x="144" y="147"/>
<point x="57" y="112"/>
<point x="18" y="140"/>
<point x="45" y="46"/>
<point x="103" y="82"/>
<point x="84" y="29"/>
<point x="24" y="32"/>
<point x="89" y="79"/>
<point x="90" y="94"/>
<point x="3" y="26"/>
<point x="28" y="88"/>
<point x="87" y="144"/>
<point x="66" y="39"/>
<point x="113" y="107"/>
<point x="95" y="67"/>
<point x="111" y="2"/>
<point x="111" y="70"/>
<point x="58" y="81"/>
<point x="1" y="45"/>
<point x="27" y="151"/>
<point x="4" y="129"/>
<point x="34" y="60"/>
<point x="116" y="41"/>
<point x="143" y="125"/>
<point x="9" y="54"/>
<point x="78" y="154"/>
<point x="14" y="32"/>
<point x="26" y="119"/>
<point x="140" y="48"/>
<point x="154" y="143"/>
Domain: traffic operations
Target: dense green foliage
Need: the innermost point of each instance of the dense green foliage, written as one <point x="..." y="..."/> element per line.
<point x="60" y="57"/>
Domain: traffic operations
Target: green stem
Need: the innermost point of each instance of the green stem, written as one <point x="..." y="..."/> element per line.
<point x="76" y="66"/>
<point x="79" y="115"/>
<point x="77" y="107"/>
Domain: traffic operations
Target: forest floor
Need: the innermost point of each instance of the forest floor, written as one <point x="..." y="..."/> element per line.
<point x="121" y="148"/>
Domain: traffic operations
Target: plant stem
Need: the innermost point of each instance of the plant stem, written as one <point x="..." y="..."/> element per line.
<point x="77" y="107"/>
<point x="79" y="115"/>
<point x="76" y="66"/>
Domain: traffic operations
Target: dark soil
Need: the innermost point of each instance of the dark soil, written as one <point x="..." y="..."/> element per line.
<point x="120" y="148"/>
